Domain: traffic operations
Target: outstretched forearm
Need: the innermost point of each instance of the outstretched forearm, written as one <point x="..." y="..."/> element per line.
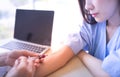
<point x="93" y="64"/>
<point x="54" y="61"/>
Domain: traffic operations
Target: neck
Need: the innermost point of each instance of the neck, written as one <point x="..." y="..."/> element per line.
<point x="114" y="21"/>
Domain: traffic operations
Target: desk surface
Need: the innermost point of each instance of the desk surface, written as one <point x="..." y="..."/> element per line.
<point x="74" y="68"/>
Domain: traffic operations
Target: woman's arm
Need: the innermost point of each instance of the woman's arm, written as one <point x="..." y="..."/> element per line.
<point x="54" y="61"/>
<point x="93" y="64"/>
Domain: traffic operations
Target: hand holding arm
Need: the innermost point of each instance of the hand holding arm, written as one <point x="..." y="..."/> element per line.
<point x="54" y="61"/>
<point x="10" y="57"/>
<point x="23" y="67"/>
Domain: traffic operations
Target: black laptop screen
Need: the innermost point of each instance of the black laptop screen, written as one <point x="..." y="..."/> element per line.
<point x="34" y="26"/>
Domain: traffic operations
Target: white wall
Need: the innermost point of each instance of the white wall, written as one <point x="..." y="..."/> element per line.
<point x="67" y="16"/>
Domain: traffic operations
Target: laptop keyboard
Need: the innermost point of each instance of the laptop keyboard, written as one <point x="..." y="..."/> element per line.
<point x="13" y="45"/>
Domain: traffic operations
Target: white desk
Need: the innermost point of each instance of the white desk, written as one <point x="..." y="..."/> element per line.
<point x="74" y="68"/>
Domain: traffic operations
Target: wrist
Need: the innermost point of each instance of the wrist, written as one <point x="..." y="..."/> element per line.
<point x="82" y="54"/>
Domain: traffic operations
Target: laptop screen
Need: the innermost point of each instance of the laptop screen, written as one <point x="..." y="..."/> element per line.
<point x="34" y="26"/>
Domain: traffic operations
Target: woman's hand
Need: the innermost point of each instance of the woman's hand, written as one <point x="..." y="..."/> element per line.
<point x="93" y="64"/>
<point x="23" y="67"/>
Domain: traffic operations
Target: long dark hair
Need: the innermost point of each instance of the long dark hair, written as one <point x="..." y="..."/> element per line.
<point x="87" y="17"/>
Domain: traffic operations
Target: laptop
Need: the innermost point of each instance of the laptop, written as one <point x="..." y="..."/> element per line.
<point x="33" y="30"/>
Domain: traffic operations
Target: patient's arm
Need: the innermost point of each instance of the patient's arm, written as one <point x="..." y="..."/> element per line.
<point x="93" y="64"/>
<point x="54" y="61"/>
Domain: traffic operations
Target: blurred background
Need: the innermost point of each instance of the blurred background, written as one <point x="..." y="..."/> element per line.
<point x="67" y="15"/>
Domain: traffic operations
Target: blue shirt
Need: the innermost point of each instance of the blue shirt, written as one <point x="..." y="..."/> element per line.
<point x="93" y="39"/>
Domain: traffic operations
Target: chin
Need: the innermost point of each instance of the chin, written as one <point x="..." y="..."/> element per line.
<point x="99" y="20"/>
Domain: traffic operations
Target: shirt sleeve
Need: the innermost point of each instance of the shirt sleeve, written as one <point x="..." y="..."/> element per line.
<point x="111" y="64"/>
<point x="74" y="41"/>
<point x="79" y="38"/>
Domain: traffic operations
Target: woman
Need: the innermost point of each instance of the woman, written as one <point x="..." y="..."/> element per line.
<point x="99" y="35"/>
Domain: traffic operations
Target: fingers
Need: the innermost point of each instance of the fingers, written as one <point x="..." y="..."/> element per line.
<point x="25" y="53"/>
<point x="39" y="59"/>
<point x="16" y="63"/>
<point x="25" y="63"/>
<point x="32" y="68"/>
<point x="28" y="61"/>
<point x="29" y="53"/>
<point x="21" y="63"/>
<point x="23" y="60"/>
<point x="23" y="67"/>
